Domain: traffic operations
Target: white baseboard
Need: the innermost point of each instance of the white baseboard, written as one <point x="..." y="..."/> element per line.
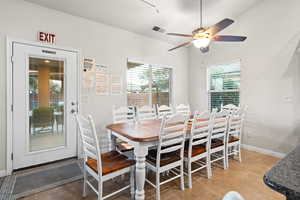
<point x="3" y="173"/>
<point x="263" y="151"/>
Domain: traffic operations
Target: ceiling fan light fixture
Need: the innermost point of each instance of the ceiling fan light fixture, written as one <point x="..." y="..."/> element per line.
<point x="202" y="43"/>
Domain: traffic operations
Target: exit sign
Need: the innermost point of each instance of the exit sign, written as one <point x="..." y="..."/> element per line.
<point x="46" y="37"/>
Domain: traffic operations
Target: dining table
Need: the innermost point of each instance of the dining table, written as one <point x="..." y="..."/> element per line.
<point x="141" y="135"/>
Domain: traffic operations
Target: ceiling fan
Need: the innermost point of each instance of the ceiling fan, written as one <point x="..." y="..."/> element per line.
<point x="202" y="37"/>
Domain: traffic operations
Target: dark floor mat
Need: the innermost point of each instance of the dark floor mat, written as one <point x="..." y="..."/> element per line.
<point x="41" y="180"/>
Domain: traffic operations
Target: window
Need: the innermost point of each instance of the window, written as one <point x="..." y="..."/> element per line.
<point x="148" y="84"/>
<point x="224" y="85"/>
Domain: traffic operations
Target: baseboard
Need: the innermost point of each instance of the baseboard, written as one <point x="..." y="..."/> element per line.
<point x="263" y="151"/>
<point x="3" y="173"/>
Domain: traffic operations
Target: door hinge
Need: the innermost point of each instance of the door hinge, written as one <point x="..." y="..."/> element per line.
<point x="12" y="108"/>
<point x="12" y="156"/>
<point x="12" y="59"/>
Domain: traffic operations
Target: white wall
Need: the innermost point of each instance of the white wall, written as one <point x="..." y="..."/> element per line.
<point x="110" y="46"/>
<point x="270" y="73"/>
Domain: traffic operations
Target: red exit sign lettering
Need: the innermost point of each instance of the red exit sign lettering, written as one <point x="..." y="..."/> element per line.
<point x="46" y="37"/>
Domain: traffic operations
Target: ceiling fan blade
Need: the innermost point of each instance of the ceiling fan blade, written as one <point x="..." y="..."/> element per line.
<point x="182" y="45"/>
<point x="229" y="38"/>
<point x="182" y="35"/>
<point x="205" y="49"/>
<point x="219" y="26"/>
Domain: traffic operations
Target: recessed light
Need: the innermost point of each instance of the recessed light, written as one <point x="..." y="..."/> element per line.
<point x="47" y="61"/>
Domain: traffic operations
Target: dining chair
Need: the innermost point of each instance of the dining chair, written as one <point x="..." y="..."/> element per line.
<point x="234" y="134"/>
<point x="101" y="167"/>
<point x="169" y="154"/>
<point x="218" y="138"/>
<point x="123" y="114"/>
<point x="164" y="110"/>
<point x="233" y="196"/>
<point x="198" y="146"/>
<point x="230" y="108"/>
<point x="146" y="113"/>
<point x="183" y="109"/>
<point x="43" y="117"/>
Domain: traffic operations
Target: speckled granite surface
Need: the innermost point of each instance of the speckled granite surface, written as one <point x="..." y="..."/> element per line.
<point x="284" y="177"/>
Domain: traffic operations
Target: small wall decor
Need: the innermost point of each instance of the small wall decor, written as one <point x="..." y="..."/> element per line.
<point x="116" y="84"/>
<point x="101" y="80"/>
<point x="88" y="72"/>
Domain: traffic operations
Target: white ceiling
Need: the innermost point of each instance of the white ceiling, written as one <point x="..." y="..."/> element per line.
<point x="180" y="16"/>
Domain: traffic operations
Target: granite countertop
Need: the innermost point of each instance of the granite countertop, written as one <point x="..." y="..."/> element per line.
<point x="284" y="177"/>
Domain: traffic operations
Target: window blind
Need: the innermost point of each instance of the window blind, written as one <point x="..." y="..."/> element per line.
<point x="224" y="85"/>
<point x="148" y="84"/>
<point x="161" y="82"/>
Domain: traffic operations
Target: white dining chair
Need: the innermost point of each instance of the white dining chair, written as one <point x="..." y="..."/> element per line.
<point x="164" y="110"/>
<point x="197" y="150"/>
<point x="123" y="114"/>
<point x="183" y="109"/>
<point x="233" y="196"/>
<point x="169" y="153"/>
<point x="234" y="134"/>
<point x="218" y="138"/>
<point x="230" y="108"/>
<point x="146" y="113"/>
<point x="102" y="167"/>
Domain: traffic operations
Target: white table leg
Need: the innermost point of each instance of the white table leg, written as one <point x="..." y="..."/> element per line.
<point x="140" y="153"/>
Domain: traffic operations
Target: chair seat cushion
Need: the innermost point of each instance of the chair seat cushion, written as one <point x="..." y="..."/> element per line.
<point x="233" y="139"/>
<point x="196" y="150"/>
<point x="165" y="159"/>
<point x="124" y="146"/>
<point x="216" y="143"/>
<point x="111" y="162"/>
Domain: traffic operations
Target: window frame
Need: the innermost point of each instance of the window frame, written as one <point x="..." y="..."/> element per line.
<point x="208" y="79"/>
<point x="171" y="95"/>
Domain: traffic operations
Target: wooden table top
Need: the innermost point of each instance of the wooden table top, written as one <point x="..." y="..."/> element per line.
<point x="142" y="131"/>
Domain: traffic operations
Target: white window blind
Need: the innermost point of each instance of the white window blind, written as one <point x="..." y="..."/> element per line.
<point x="148" y="84"/>
<point x="224" y="85"/>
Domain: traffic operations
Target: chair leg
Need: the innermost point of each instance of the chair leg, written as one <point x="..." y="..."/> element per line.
<point x="84" y="182"/>
<point x="189" y="167"/>
<point x="100" y="190"/>
<point x="157" y="185"/>
<point x="208" y="168"/>
<point x="224" y="159"/>
<point x="227" y="157"/>
<point x="240" y="155"/>
<point x="181" y="177"/>
<point x="132" y="184"/>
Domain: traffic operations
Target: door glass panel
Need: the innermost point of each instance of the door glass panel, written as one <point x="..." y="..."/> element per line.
<point x="46" y="104"/>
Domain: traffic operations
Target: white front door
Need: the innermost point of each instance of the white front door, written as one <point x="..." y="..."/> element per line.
<point x="45" y="85"/>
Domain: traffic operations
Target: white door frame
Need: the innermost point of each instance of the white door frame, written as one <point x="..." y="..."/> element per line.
<point x="9" y="93"/>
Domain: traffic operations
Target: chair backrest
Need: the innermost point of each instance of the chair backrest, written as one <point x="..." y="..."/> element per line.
<point x="123" y="114"/>
<point x="235" y="125"/>
<point x="43" y="115"/>
<point x="230" y="108"/>
<point x="183" y="109"/>
<point x="220" y="125"/>
<point x="146" y="113"/>
<point x="172" y="136"/>
<point x="201" y="130"/>
<point x="89" y="138"/>
<point x="164" y="111"/>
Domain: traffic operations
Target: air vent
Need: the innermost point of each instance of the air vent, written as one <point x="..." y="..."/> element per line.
<point x="158" y="29"/>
